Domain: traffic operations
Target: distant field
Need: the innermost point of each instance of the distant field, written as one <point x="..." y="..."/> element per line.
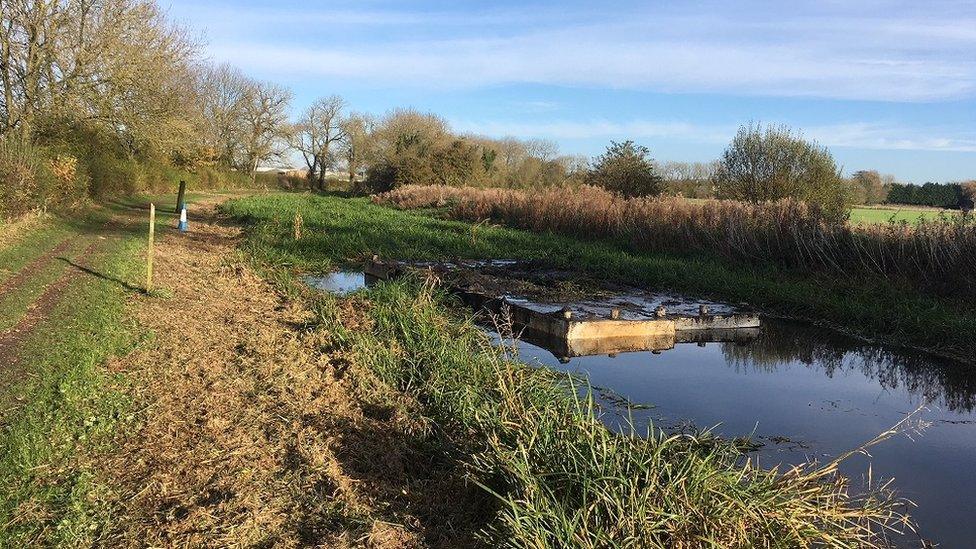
<point x="874" y="215"/>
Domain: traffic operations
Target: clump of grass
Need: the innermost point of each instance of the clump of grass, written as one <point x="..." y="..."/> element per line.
<point x="561" y="478"/>
<point x="934" y="255"/>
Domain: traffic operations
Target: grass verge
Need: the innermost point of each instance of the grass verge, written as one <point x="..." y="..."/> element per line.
<point x="559" y="477"/>
<point x="68" y="405"/>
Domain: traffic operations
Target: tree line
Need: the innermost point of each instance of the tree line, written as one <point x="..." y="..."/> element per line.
<point x="109" y="96"/>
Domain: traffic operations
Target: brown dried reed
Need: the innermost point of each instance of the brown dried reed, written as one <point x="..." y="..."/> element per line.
<point x="934" y="256"/>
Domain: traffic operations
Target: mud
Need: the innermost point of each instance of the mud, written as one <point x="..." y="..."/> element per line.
<point x="534" y="285"/>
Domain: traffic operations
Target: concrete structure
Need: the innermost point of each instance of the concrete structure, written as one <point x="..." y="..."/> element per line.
<point x="564" y="332"/>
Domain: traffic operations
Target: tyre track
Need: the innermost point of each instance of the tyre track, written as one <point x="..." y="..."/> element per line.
<point x="21" y="276"/>
<point x="12" y="339"/>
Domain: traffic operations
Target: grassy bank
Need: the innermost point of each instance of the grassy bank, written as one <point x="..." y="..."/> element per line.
<point x="342" y="231"/>
<point x="61" y="404"/>
<point x="558" y="477"/>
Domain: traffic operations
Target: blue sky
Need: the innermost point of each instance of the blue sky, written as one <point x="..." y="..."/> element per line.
<point x="885" y="85"/>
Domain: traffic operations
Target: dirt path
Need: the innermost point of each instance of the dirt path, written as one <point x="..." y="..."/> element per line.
<point x="12" y="339"/>
<point x="38" y="263"/>
<point x="255" y="433"/>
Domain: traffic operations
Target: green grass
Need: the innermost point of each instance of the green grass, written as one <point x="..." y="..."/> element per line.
<point x="878" y="215"/>
<point x="559" y="477"/>
<point x="14" y="304"/>
<point x="66" y="406"/>
<point x="347" y="231"/>
<point x="23" y="250"/>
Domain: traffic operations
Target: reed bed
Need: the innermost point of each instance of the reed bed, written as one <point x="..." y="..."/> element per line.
<point x="934" y="256"/>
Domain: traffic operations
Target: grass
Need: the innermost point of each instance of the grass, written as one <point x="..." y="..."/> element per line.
<point x="20" y="249"/>
<point x="339" y="231"/>
<point x="559" y="477"/>
<point x="70" y="405"/>
<point x="861" y="215"/>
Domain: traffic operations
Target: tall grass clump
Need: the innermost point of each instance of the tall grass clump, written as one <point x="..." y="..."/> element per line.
<point x="935" y="256"/>
<point x="562" y="479"/>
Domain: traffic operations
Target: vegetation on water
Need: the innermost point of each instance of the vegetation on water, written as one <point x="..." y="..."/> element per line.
<point x="353" y="230"/>
<point x="937" y="257"/>
<point x="68" y="404"/>
<point x="559" y="476"/>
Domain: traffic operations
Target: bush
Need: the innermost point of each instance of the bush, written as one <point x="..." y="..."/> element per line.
<point x="773" y="163"/>
<point x="625" y="169"/>
<point x="31" y="178"/>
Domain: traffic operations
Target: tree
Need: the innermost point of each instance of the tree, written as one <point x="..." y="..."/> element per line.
<point x="223" y="95"/>
<point x="627" y="169"/>
<point x="870" y="185"/>
<point x="405" y="142"/>
<point x="318" y="133"/>
<point x="265" y="119"/>
<point x="773" y="163"/>
<point x="358" y="144"/>
<point x="690" y="179"/>
<point x="117" y="65"/>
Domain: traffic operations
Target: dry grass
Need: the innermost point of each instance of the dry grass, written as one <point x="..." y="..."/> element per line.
<point x="255" y="433"/>
<point x="935" y="256"/>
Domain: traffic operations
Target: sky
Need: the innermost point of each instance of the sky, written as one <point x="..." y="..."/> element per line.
<point x="886" y="85"/>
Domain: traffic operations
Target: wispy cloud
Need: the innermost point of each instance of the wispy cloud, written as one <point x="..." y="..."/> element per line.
<point x="807" y="51"/>
<point x="874" y="136"/>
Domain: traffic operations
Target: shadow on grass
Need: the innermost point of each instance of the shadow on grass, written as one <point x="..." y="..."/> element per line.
<point x="103" y="276"/>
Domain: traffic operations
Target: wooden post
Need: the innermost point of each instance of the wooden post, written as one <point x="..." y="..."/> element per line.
<point x="149" y="253"/>
<point x="180" y="197"/>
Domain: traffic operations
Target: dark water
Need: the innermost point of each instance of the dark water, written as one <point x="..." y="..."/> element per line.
<point x="808" y="393"/>
<point x="805" y="393"/>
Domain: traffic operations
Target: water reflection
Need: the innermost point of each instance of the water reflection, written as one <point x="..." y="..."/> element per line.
<point x="807" y="393"/>
<point x="339" y="283"/>
<point x="940" y="382"/>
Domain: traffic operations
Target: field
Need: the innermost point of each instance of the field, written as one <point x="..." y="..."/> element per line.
<point x="873" y="215"/>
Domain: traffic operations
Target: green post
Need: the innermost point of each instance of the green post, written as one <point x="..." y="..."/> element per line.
<point x="181" y="197"/>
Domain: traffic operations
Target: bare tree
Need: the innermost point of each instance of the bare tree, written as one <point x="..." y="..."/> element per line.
<point x="543" y="149"/>
<point x="265" y="119"/>
<point x="223" y="94"/>
<point x="358" y="146"/>
<point x="319" y="128"/>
